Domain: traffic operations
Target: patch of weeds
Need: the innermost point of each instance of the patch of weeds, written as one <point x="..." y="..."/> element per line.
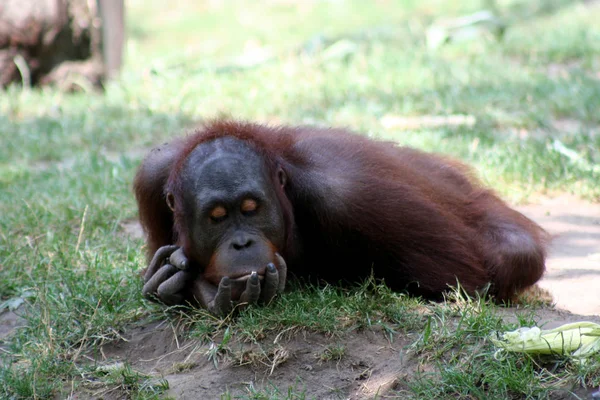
<point x="332" y="309"/>
<point x="121" y="380"/>
<point x="77" y="303"/>
<point x="328" y="310"/>
<point x="33" y="378"/>
<point x="269" y="392"/>
<point x="527" y="318"/>
<point x="461" y="362"/>
<point x="480" y="376"/>
<point x="587" y="373"/>
<point x="183" y="367"/>
<point x="269" y="357"/>
<point x="332" y="352"/>
<point x="201" y="323"/>
<point x="456" y="323"/>
<point x="219" y="350"/>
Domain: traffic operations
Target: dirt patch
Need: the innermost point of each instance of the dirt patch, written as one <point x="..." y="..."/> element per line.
<point x="9" y="321"/>
<point x="355" y="365"/>
<point x="350" y="366"/>
<point x="132" y="229"/>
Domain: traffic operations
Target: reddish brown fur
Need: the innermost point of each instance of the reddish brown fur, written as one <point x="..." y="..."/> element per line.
<point x="354" y="205"/>
<point x="155" y="216"/>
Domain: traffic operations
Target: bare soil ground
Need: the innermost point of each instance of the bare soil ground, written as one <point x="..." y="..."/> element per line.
<point x="573" y="268"/>
<point x="371" y="364"/>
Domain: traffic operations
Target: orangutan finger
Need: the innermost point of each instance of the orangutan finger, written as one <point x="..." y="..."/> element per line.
<point x="252" y="292"/>
<point x="203" y="292"/>
<point x="179" y="259"/>
<point x="221" y="304"/>
<point x="151" y="287"/>
<point x="282" y="270"/>
<point x="271" y="284"/>
<point x="170" y="291"/>
<point x="158" y="259"/>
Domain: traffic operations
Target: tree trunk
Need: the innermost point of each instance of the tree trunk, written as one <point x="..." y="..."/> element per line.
<point x="56" y="42"/>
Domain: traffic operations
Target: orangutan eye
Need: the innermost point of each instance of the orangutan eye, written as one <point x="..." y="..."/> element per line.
<point x="249" y="206"/>
<point x="219" y="213"/>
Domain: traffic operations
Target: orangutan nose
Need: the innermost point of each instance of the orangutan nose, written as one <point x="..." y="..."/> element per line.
<point x="242" y="242"/>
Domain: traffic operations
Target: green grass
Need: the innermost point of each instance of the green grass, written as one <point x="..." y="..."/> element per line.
<point x="67" y="162"/>
<point x="294" y="392"/>
<point x="456" y="340"/>
<point x="321" y="309"/>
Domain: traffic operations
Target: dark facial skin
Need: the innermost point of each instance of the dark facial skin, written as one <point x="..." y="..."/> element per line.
<point x="234" y="225"/>
<point x="234" y="213"/>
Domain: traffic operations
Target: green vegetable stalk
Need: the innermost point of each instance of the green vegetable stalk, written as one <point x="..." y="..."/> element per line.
<point x="578" y="340"/>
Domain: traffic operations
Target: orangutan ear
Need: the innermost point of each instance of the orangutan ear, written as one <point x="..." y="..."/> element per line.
<point x="281" y="177"/>
<point x="171" y="201"/>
